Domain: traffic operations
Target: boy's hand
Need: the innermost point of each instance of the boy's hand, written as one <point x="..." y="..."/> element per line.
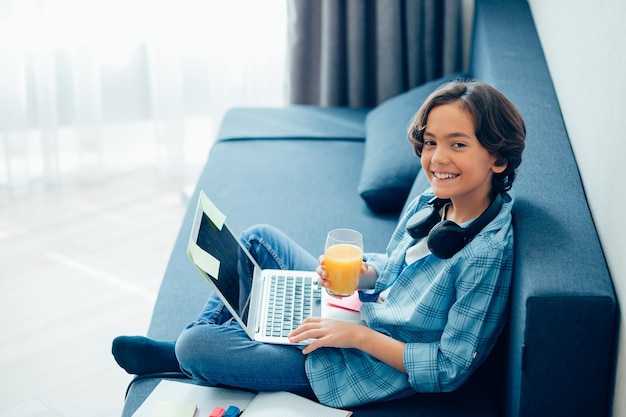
<point x="327" y="333"/>
<point x="321" y="271"/>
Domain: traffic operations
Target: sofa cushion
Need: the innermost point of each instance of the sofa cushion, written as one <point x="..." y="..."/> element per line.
<point x="419" y="186"/>
<point x="293" y="122"/>
<point x="390" y="164"/>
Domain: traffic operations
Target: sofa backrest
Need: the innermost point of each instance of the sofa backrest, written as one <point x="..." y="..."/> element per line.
<point x="559" y="344"/>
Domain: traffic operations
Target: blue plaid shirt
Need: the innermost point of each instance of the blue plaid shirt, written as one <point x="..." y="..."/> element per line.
<point x="449" y="312"/>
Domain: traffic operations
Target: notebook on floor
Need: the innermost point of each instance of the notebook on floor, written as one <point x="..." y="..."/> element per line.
<point x="278" y="299"/>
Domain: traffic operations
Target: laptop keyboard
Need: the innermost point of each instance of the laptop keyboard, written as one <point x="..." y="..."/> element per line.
<point x="291" y="301"/>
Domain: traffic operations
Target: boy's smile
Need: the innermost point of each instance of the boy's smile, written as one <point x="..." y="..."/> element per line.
<point x="455" y="162"/>
<point x="444" y="176"/>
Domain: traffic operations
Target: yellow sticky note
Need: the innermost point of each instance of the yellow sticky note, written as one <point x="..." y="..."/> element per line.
<point x="205" y="261"/>
<point x="213" y="213"/>
<point x="174" y="409"/>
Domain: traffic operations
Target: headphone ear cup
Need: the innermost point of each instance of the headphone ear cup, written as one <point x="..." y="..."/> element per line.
<point x="421" y="223"/>
<point x="446" y="239"/>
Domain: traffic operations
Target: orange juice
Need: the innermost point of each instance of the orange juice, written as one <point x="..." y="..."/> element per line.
<point x="343" y="265"/>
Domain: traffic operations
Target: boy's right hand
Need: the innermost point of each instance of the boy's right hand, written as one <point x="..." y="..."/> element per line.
<point x="321" y="271"/>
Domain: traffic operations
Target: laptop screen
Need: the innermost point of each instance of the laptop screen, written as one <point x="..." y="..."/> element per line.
<point x="223" y="246"/>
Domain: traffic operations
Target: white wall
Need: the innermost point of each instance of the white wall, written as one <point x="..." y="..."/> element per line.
<point x="585" y="47"/>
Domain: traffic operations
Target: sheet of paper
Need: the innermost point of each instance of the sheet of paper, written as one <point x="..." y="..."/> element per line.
<point x="174" y="409"/>
<point x="349" y="303"/>
<point x="206" y="398"/>
<point x="273" y="404"/>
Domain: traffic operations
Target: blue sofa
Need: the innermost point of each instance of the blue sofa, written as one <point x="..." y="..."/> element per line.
<point x="308" y="169"/>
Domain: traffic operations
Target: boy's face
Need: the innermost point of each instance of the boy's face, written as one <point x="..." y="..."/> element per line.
<point x="456" y="164"/>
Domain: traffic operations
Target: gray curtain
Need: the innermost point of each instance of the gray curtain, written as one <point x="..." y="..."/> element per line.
<point x="358" y="53"/>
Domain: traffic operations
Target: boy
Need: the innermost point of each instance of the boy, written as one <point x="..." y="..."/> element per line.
<point x="434" y="302"/>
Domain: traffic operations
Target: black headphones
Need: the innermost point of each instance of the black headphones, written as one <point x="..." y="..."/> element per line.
<point x="445" y="238"/>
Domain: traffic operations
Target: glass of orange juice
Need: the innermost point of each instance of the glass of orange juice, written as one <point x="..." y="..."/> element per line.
<point x="343" y="257"/>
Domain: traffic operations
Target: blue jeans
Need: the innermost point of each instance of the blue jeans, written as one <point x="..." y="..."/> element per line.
<point x="216" y="350"/>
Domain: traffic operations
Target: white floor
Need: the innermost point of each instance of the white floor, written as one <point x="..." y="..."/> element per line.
<point x="79" y="265"/>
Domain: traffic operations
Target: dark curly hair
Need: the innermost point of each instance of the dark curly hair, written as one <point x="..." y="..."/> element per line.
<point x="499" y="125"/>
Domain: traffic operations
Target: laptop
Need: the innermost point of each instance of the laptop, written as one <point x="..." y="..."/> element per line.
<point x="278" y="300"/>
